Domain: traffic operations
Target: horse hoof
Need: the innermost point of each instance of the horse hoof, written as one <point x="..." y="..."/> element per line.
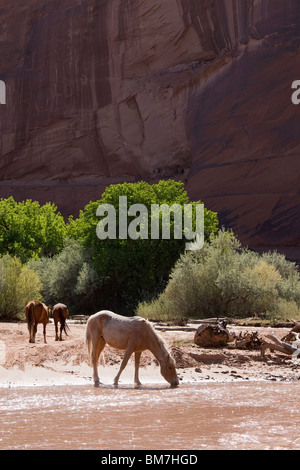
<point x="97" y="383"/>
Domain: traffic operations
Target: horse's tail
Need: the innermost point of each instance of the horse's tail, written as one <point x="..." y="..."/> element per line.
<point x="30" y="316"/>
<point x="102" y="359"/>
<point x="88" y="341"/>
<point x="62" y="320"/>
<point x="90" y="344"/>
<point x="30" y="321"/>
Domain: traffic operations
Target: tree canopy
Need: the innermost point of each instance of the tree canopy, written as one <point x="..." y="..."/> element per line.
<point x="29" y="230"/>
<point x="134" y="269"/>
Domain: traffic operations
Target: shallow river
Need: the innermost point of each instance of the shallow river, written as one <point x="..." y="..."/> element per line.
<point x="257" y="415"/>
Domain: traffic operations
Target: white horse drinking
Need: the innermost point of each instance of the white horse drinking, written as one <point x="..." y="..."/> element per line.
<point x="135" y="335"/>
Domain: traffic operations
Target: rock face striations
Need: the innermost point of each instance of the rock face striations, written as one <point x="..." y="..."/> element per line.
<point x="101" y="91"/>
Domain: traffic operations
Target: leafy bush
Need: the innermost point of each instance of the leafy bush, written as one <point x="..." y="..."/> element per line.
<point x="224" y="279"/>
<point x="69" y="277"/>
<point x="18" y="285"/>
<point x="28" y="230"/>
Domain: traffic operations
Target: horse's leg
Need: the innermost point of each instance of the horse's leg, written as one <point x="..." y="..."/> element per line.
<point x="126" y="357"/>
<point x="98" y="347"/>
<point x="31" y="335"/>
<point x="137" y="357"/>
<point x="56" y="331"/>
<point x="60" y="336"/>
<point x="30" y="330"/>
<point x="34" y="330"/>
<point x="44" y="332"/>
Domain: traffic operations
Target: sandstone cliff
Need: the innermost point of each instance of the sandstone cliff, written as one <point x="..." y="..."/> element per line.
<point x="100" y="91"/>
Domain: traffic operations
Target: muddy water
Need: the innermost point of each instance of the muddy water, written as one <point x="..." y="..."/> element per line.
<point x="257" y="415"/>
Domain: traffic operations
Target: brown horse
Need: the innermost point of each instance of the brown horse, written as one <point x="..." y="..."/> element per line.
<point x="36" y="312"/>
<point x="60" y="313"/>
<point x="134" y="334"/>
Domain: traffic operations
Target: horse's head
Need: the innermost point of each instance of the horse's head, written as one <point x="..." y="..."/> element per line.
<point x="168" y="371"/>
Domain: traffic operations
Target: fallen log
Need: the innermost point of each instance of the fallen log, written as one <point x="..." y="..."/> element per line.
<point x="295" y="329"/>
<point x="278" y="345"/>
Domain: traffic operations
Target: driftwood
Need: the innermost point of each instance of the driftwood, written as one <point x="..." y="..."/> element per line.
<point x="247" y="340"/>
<point x="295" y="329"/>
<point x="217" y="335"/>
<point x="281" y="346"/>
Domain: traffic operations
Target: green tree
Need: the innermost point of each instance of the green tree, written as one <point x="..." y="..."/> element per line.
<point x="18" y="285"/>
<point x="134" y="269"/>
<point x="28" y="230"/>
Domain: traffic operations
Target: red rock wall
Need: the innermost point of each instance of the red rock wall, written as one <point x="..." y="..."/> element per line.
<point x="119" y="90"/>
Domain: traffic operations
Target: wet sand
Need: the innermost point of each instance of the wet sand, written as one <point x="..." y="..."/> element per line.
<point x="66" y="362"/>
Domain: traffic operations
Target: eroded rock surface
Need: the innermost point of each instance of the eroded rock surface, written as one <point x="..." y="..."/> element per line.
<point x="106" y="91"/>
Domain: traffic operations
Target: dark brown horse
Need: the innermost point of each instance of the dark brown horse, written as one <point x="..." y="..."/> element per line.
<point x="60" y="314"/>
<point x="36" y="312"/>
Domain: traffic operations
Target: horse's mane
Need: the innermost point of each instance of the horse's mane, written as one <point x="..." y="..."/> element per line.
<point x="158" y="338"/>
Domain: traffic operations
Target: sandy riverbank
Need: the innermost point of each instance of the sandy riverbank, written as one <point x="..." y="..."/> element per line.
<point x="66" y="362"/>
